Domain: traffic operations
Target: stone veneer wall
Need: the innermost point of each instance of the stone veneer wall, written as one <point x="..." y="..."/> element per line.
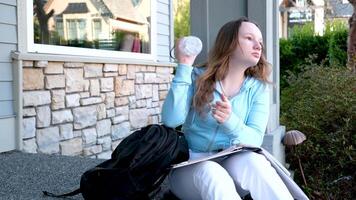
<point x="87" y="109"/>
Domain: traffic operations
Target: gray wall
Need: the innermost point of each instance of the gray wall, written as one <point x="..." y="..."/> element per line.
<point x="164" y="29"/>
<point x="8" y="43"/>
<point x="208" y="16"/>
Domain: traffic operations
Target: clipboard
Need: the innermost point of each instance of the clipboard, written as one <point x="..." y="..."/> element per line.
<point x="231" y="150"/>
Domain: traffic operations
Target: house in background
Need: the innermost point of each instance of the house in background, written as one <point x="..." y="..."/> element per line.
<point x="100" y="24"/>
<point x="77" y="76"/>
<point x="75" y="82"/>
<point x="299" y="12"/>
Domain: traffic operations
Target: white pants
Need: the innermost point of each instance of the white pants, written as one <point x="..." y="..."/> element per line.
<point x="224" y="179"/>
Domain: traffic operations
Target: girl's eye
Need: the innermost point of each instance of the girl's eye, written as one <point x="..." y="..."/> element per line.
<point x="249" y="37"/>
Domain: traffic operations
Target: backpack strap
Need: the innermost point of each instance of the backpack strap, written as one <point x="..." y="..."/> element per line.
<point x="75" y="192"/>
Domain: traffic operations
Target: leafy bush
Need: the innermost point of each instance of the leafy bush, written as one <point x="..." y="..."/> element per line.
<point x="338" y="48"/>
<point x="320" y="102"/>
<point x="303" y="45"/>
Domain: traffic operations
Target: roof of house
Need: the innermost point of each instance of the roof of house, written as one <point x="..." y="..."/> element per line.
<point x="339" y="9"/>
<point x="124" y="10"/>
<point x="74" y="8"/>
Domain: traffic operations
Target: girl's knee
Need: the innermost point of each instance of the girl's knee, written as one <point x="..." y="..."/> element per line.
<point x="210" y="171"/>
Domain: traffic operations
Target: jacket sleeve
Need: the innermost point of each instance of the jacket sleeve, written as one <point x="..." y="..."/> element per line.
<point x="178" y="101"/>
<point x="252" y="132"/>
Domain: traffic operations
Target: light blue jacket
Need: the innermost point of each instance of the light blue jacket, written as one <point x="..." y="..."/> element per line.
<point x="246" y="125"/>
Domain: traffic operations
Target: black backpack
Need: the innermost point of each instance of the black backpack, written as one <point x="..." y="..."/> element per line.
<point x="137" y="167"/>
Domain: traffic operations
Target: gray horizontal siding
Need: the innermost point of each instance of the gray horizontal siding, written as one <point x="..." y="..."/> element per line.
<point x="8" y="33"/>
<point x="7" y="14"/>
<point x="6" y="72"/>
<point x="5" y="52"/>
<point x="163" y="30"/>
<point x="8" y="2"/>
<point x="8" y="43"/>
<point x="6" y="91"/>
<point x="6" y="109"/>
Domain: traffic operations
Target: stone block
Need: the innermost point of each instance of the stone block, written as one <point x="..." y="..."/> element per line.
<point x="27" y="63"/>
<point x="131" y="71"/>
<point x="153" y="120"/>
<point x="28" y="127"/>
<point x="111" y="74"/>
<point x="107" y="84"/>
<point x="121" y="101"/>
<point x="72" y="147"/>
<point x="84" y="95"/>
<point x="58" y="101"/>
<point x="84" y="116"/>
<point x="104" y="155"/>
<point x="122" y="69"/>
<point x="151" y="68"/>
<point x="36" y="98"/>
<point x="74" y="80"/>
<point x="162" y="94"/>
<point x="122" y="110"/>
<point x="29" y="146"/>
<point x="150" y="78"/>
<point x="48" y="140"/>
<point x="163" y="86"/>
<point x="163" y="70"/>
<point x="94" y="87"/>
<point x="73" y="65"/>
<point x="33" y="79"/>
<point x="110" y="99"/>
<point x="101" y="111"/>
<point x="72" y="100"/>
<point x="143" y="91"/>
<point x="89" y="136"/>
<point x="90" y="101"/>
<point x="105" y="142"/>
<point x="120" y="131"/>
<point x="119" y="119"/>
<point x="66" y="131"/>
<point x="155" y="94"/>
<point x="54" y="81"/>
<point x="28" y="112"/>
<point x="111" y="67"/>
<point x="110" y="112"/>
<point x="54" y="68"/>
<point x="139" y="78"/>
<point x="124" y="87"/>
<point x="62" y="116"/>
<point x="93" y="70"/>
<point x="103" y="127"/>
<point x="92" y="150"/>
<point x="138" y="118"/>
<point x="41" y="63"/>
<point x="43" y="116"/>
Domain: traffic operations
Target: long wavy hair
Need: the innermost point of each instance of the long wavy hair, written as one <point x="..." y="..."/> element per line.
<point x="218" y="64"/>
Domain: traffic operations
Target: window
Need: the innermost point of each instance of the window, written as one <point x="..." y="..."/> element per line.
<point x="85" y="27"/>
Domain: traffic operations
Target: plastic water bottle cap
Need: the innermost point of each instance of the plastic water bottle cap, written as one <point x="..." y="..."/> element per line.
<point x="190" y="45"/>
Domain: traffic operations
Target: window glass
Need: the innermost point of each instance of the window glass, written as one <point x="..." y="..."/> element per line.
<point x="118" y="25"/>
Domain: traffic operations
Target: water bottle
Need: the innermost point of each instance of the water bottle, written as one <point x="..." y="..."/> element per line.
<point x="190" y="45"/>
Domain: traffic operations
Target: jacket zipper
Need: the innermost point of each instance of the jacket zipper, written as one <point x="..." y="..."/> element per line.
<point x="213" y="138"/>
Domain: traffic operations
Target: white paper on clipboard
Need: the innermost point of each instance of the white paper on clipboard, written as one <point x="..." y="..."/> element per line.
<point x="228" y="151"/>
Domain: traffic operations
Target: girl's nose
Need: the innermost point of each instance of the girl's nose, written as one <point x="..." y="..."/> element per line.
<point x="257" y="45"/>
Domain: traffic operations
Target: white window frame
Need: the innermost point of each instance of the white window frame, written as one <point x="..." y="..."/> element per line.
<point x="26" y="41"/>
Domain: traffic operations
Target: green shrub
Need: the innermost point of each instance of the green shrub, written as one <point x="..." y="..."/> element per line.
<point x="320" y="102"/>
<point x="338" y="48"/>
<point x="303" y="45"/>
